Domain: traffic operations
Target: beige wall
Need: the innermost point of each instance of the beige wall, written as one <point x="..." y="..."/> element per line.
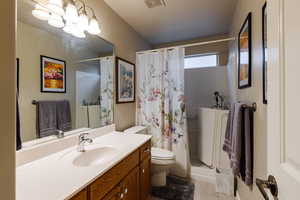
<point x="7" y="100"/>
<point x="127" y="43"/>
<point x="253" y="94"/>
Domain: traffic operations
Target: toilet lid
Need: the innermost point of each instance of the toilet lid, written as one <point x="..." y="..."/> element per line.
<point x="161" y="154"/>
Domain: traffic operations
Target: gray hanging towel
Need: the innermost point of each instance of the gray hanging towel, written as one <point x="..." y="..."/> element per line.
<point x="238" y="142"/>
<point x="63" y="111"/>
<point x="246" y="167"/>
<point x="46" y="118"/>
<point x="233" y="137"/>
<point x="18" y="128"/>
<point x="232" y="143"/>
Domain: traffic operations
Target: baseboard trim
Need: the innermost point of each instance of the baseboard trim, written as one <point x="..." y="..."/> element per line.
<point x="237" y="196"/>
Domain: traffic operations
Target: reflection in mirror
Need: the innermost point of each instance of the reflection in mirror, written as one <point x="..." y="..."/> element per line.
<point x="66" y="83"/>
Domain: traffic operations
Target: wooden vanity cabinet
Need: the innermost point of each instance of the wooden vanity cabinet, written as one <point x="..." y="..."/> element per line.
<point x="81" y="195"/>
<point x="128" y="180"/>
<point x="130" y="186"/>
<point x="145" y="181"/>
<point x="115" y="194"/>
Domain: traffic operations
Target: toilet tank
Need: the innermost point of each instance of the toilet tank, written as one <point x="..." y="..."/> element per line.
<point x="137" y="130"/>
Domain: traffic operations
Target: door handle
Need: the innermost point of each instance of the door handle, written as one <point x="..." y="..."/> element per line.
<point x="270" y="184"/>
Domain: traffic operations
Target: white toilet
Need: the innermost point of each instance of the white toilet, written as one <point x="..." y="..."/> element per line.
<point x="161" y="159"/>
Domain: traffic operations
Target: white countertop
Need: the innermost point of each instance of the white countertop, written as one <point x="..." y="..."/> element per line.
<point x="55" y="177"/>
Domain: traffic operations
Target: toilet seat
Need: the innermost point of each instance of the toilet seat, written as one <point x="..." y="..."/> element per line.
<point x="161" y="154"/>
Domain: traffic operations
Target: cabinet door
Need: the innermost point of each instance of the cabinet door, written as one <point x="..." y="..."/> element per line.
<point x="114" y="194"/>
<point x="145" y="179"/>
<point x="130" y="186"/>
<point x="81" y="195"/>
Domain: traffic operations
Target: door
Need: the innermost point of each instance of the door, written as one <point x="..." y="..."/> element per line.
<point x="145" y="176"/>
<point x="284" y="97"/>
<point x="130" y="186"/>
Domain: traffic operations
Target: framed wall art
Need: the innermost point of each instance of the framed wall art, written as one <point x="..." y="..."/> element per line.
<point x="53" y="75"/>
<point x="244" y="54"/>
<point x="125" y="76"/>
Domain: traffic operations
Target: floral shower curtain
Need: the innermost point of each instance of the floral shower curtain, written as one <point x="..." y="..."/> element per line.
<point x="161" y="105"/>
<point x="106" y="87"/>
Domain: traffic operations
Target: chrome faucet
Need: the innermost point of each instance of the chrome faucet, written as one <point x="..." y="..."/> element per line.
<point x="219" y="100"/>
<point x="82" y="140"/>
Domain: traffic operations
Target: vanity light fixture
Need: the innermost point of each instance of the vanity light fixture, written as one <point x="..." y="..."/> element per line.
<point x="56" y="21"/>
<point x="78" y="32"/>
<point x="56" y="5"/>
<point x="71" y="15"/>
<point x="71" y="12"/>
<point x="83" y="20"/>
<point x="41" y="13"/>
<point x="93" y="27"/>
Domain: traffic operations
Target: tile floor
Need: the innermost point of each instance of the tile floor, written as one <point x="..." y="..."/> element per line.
<point x="205" y="191"/>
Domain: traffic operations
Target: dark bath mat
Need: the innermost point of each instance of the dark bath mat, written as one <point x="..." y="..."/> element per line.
<point x="176" y="189"/>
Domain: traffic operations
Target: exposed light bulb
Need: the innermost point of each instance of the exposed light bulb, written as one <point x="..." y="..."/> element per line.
<point x="67" y="17"/>
<point x="71" y="14"/>
<point x="83" y="21"/>
<point x="94" y="28"/>
<point x="56" y="21"/>
<point x="40" y="12"/>
<point x="56" y="6"/>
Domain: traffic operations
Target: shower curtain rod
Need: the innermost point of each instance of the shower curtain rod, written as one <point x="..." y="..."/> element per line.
<point x="189" y="45"/>
<point x="91" y="59"/>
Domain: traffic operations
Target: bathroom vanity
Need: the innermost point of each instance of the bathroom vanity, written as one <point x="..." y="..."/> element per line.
<point x="115" y="166"/>
<point x="129" y="179"/>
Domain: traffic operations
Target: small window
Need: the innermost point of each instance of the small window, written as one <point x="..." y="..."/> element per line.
<point x="201" y="61"/>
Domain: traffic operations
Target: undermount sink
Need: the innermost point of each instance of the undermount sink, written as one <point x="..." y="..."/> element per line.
<point x="95" y="156"/>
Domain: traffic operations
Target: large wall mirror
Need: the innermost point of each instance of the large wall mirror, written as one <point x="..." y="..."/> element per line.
<point x="65" y="82"/>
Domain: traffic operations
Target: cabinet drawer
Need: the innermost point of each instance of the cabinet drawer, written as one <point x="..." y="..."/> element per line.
<point x="110" y="179"/>
<point x="145" y="151"/>
<point x="80" y="196"/>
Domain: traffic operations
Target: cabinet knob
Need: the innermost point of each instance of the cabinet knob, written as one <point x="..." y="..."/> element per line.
<point x="126" y="191"/>
<point x="143" y="170"/>
<point x="121" y="196"/>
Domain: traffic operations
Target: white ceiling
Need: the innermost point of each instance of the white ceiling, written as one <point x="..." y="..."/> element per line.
<point x="179" y="20"/>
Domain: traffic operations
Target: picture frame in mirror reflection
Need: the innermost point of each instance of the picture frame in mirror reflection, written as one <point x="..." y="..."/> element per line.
<point x="244" y="54"/>
<point x="53" y="75"/>
<point x="125" y="76"/>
